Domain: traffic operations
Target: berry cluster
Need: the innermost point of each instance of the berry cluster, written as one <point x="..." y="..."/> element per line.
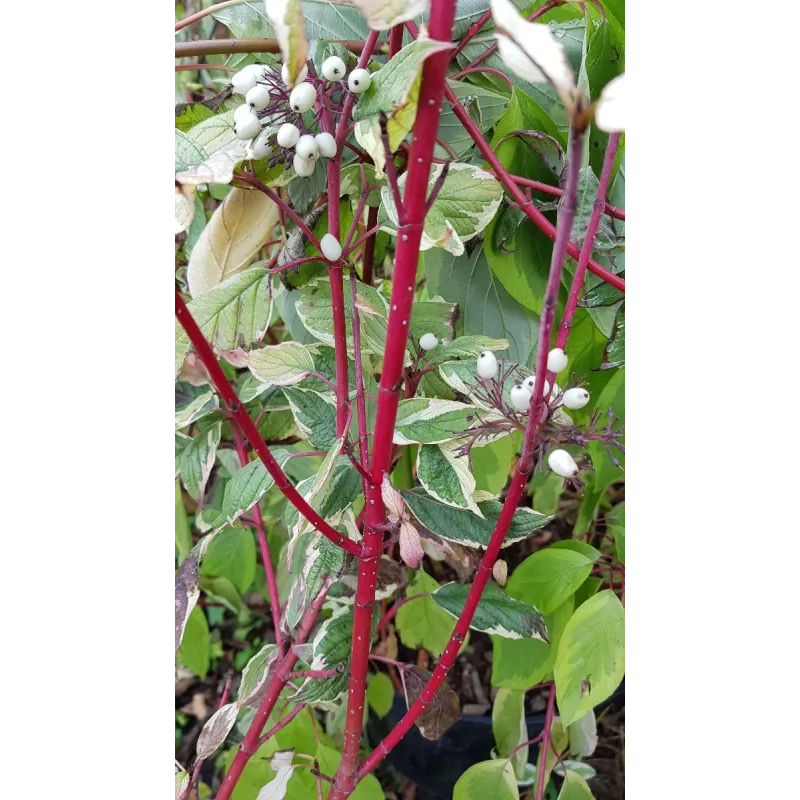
<point x="272" y="115"/>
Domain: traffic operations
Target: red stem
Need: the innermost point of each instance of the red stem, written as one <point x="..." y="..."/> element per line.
<point x="472" y="32"/>
<point x="411" y="216"/>
<point x="363" y="59"/>
<point x="518" y="482"/>
<point x="611" y="211"/>
<point x="369" y="247"/>
<point x="546" y="738"/>
<point x="269" y="570"/>
<point x="249" y="429"/>
<point x="361" y="410"/>
<point x="281" y="724"/>
<point x="395" y="40"/>
<point x="489" y="71"/>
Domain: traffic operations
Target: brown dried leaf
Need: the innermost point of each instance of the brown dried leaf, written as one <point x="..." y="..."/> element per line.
<point x="441" y="713"/>
<point x="216" y="730"/>
<point x="186" y="594"/>
<point x="388" y="648"/>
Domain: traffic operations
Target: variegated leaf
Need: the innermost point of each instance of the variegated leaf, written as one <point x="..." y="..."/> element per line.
<point x="446" y="475"/>
<point x="216" y="730"/>
<point x="426" y="420"/>
<point x="255" y="674"/>
<point x="281" y="364"/>
<point x="287" y="18"/>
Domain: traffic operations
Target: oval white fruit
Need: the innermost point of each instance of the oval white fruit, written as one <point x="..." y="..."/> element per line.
<point x="576" y="398"/>
<point x="326" y="145"/>
<point x="529" y="382"/>
<point x="241" y="111"/>
<point x="330" y="246"/>
<point x="262" y="148"/>
<point x="257" y="97"/>
<point x="307" y="147"/>
<point x="556" y="360"/>
<point x="428" y="341"/>
<point x="359" y="81"/>
<point x="244" y="80"/>
<point x="300" y="78"/>
<point x="302" y="97"/>
<point x="333" y="69"/>
<point x="520" y="398"/>
<point x="302" y="166"/>
<point x="487" y="365"/>
<point x="288" y="135"/>
<point x="246" y="128"/>
<point x="562" y="463"/>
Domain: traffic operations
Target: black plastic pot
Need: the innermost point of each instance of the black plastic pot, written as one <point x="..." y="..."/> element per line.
<point x="436" y="766"/>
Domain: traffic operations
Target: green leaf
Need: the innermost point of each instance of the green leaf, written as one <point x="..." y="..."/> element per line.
<point x="427" y="420"/>
<point x="255" y="674"/>
<point x="315" y="415"/>
<point x="583" y="736"/>
<point x="248" y="485"/>
<point x="197" y="459"/>
<point x="187" y="151"/>
<point x="549" y="577"/>
<point x="466" y="347"/>
<point x="613" y="397"/>
<point x="421" y="622"/>
<point x="464" y="206"/>
<point x="222" y="590"/>
<point x="491" y="105"/>
<point x="281" y="364"/>
<point x="491" y="464"/>
<point x="546" y="148"/>
<point x="496" y="614"/>
<point x="382" y="14"/>
<point x="575" y="788"/>
<point x="464" y="527"/>
<point x="521" y="663"/>
<point x="446" y="475"/>
<point x="614" y="354"/>
<point x="380" y="693"/>
<point x="509" y="727"/>
<point x="232" y="555"/>
<point x="486" y="307"/>
<point x="488" y="780"/>
<point x="591" y="656"/>
<point x="434" y="316"/>
<point x="607" y="240"/>
<point x="195" y="650"/>
<point x="577" y="546"/>
<point x="200" y="407"/>
<point x="616" y="522"/>
<point x="183" y="533"/>
<point x="234" y="314"/>
<point x="587" y="589"/>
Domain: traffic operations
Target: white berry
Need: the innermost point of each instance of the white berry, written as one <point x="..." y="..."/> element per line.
<point x="244" y="80"/>
<point x="528" y="383"/>
<point x="333" y="69"/>
<point x="302" y="166"/>
<point x="359" y="81"/>
<point x="562" y="463"/>
<point x="330" y="246"/>
<point x="487" y="365"/>
<point x="288" y="135"/>
<point x="520" y="398"/>
<point x="575" y="398"/>
<point x="300" y="78"/>
<point x="428" y="341"/>
<point x="302" y="97"/>
<point x="307" y="147"/>
<point x="246" y="128"/>
<point x="258" y="97"/>
<point x="242" y="111"/>
<point x="556" y="360"/>
<point x="262" y="148"/>
<point x="326" y="145"/>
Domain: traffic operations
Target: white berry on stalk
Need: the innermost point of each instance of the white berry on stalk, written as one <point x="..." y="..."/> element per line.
<point x="330" y="247"/>
<point x="262" y="148"/>
<point x="333" y="69"/>
<point x="300" y="78"/>
<point x="359" y="81"/>
<point x="244" y="80"/>
<point x="562" y="463"/>
<point x="307" y="147"/>
<point x="428" y="341"/>
<point x="487" y="365"/>
<point x="609" y="114"/>
<point x="556" y="360"/>
<point x="247" y="127"/>
<point x="302" y="97"/>
<point x="520" y="398"/>
<point x="242" y="111"/>
<point x="326" y="145"/>
<point x="575" y="398"/>
<point x="288" y="135"/>
<point x="302" y="166"/>
<point x="257" y="97"/>
<point x="530" y="382"/>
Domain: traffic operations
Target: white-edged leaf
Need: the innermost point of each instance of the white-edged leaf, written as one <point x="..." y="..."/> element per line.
<point x="197" y="459"/>
<point x="184" y="208"/>
<point x="466" y="347"/>
<point x="487" y="780"/>
<point x="237" y="229"/>
<point x="428" y="420"/>
<point x="384" y="14"/>
<point x="583" y="735"/>
<point x="496" y="614"/>
<point x="186" y="594"/>
<point x="281" y="759"/>
<point x="181" y="782"/>
<point x="315" y="415"/>
<point x="255" y="674"/>
<point x="281" y="364"/>
<point x="217" y="168"/>
<point x="290" y="28"/>
<point x="234" y="314"/>
<point x="202" y="405"/>
<point x="465" y="205"/>
<point x="276" y="789"/>
<point x="248" y="485"/>
<point x="216" y="730"/>
<point x="445" y="474"/>
<point x="510" y="728"/>
<point x="586" y="771"/>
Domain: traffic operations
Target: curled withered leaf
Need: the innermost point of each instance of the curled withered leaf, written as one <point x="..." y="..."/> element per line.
<point x="216" y="730"/>
<point x="410" y="544"/>
<point x="194" y="371"/>
<point x="393" y="500"/>
<point x="238" y="358"/>
<point x="441" y="713"/>
<point x="295" y="247"/>
<point x="280" y="759"/>
<point x="186" y="594"/>
<point x="388" y="648"/>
